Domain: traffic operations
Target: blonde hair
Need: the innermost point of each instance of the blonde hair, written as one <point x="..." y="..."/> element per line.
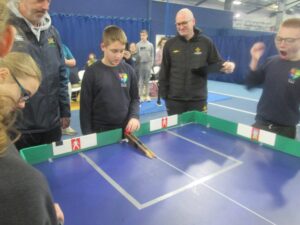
<point x="20" y="65"/>
<point x="112" y="34"/>
<point x="90" y="60"/>
<point x="7" y="119"/>
<point x="291" y="23"/>
<point x="4" y="16"/>
<point x="4" y="110"/>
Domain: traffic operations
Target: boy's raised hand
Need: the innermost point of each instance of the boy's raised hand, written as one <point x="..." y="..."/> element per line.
<point x="256" y="51"/>
<point x="132" y="125"/>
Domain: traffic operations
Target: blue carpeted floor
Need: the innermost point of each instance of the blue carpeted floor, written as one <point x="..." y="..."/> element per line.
<point x="148" y="110"/>
<point x="152" y="107"/>
<point x="215" y="97"/>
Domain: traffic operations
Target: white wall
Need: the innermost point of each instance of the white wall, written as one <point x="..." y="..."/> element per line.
<point x="258" y="22"/>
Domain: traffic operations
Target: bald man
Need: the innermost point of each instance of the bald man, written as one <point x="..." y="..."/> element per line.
<point x="187" y="58"/>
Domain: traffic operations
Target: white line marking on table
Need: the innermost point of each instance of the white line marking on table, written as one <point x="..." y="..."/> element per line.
<point x="231" y="108"/>
<point x="220" y="172"/>
<point x="234" y="96"/>
<point x="204" y="146"/>
<point x="113" y="183"/>
<point x="193" y="184"/>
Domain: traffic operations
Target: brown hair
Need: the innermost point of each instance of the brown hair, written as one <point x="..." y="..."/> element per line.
<point x="292" y="23"/>
<point x="161" y="40"/>
<point x="144" y="31"/>
<point x="113" y="33"/>
<point x="20" y="65"/>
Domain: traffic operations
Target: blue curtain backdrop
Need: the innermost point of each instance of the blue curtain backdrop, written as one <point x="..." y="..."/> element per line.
<point x="237" y="49"/>
<point x="83" y="34"/>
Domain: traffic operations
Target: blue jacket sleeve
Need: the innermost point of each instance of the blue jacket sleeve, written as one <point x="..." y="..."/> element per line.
<point x="64" y="98"/>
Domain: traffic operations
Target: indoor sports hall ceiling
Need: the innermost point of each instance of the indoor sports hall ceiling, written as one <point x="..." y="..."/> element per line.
<point x="267" y="7"/>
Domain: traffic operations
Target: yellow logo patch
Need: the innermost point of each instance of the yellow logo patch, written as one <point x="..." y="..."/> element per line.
<point x="51" y="41"/>
<point x="197" y="51"/>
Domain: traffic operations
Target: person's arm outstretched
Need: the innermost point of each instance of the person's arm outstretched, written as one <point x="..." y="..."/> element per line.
<point x="256" y="51"/>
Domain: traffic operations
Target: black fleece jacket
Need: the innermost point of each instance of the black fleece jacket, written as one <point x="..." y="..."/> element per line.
<point x="109" y="97"/>
<point x="183" y="74"/>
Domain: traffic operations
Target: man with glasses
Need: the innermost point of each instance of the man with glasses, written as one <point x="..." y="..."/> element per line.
<point x="278" y="107"/>
<point x="49" y="109"/>
<point x="187" y="58"/>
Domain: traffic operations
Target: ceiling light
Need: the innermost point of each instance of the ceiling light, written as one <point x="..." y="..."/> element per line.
<point x="237" y="15"/>
<point x="274" y="6"/>
<point x="237" y="2"/>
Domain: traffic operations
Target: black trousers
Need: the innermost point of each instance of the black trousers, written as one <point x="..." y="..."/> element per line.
<point x="178" y="107"/>
<point x="33" y="139"/>
<point x="287" y="131"/>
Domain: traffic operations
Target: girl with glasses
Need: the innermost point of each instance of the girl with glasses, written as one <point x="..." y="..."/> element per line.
<point x="24" y="194"/>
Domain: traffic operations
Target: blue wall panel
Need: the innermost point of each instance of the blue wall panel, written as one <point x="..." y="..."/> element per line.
<point x="161" y="15"/>
<point x="83" y="34"/>
<point x="119" y="8"/>
<point x="163" y="18"/>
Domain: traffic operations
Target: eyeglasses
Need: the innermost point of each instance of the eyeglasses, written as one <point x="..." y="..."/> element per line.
<point x="25" y="95"/>
<point x="183" y="23"/>
<point x="286" y="40"/>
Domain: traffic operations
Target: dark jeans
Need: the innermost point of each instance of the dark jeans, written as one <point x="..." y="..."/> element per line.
<point x="33" y="139"/>
<point x="178" y="107"/>
<point x="287" y="131"/>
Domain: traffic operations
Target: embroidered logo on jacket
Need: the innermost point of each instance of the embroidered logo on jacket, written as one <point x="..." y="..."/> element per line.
<point x="197" y="51"/>
<point x="294" y="75"/>
<point x="175" y="51"/>
<point x="51" y="41"/>
<point x="19" y="37"/>
<point x="123" y="78"/>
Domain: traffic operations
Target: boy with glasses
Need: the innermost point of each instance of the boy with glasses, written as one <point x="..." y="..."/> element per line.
<point x="278" y="107"/>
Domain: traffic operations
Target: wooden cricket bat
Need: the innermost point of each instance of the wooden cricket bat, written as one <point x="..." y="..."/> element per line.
<point x="133" y="139"/>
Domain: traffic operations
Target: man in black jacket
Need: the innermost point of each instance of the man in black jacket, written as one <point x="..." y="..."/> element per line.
<point x="187" y="58"/>
<point x="49" y="109"/>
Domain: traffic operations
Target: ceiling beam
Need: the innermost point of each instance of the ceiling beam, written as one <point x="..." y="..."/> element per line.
<point x="228" y="5"/>
<point x="259" y="8"/>
<point x="288" y="6"/>
<point x="292" y="4"/>
<point x="200" y="2"/>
